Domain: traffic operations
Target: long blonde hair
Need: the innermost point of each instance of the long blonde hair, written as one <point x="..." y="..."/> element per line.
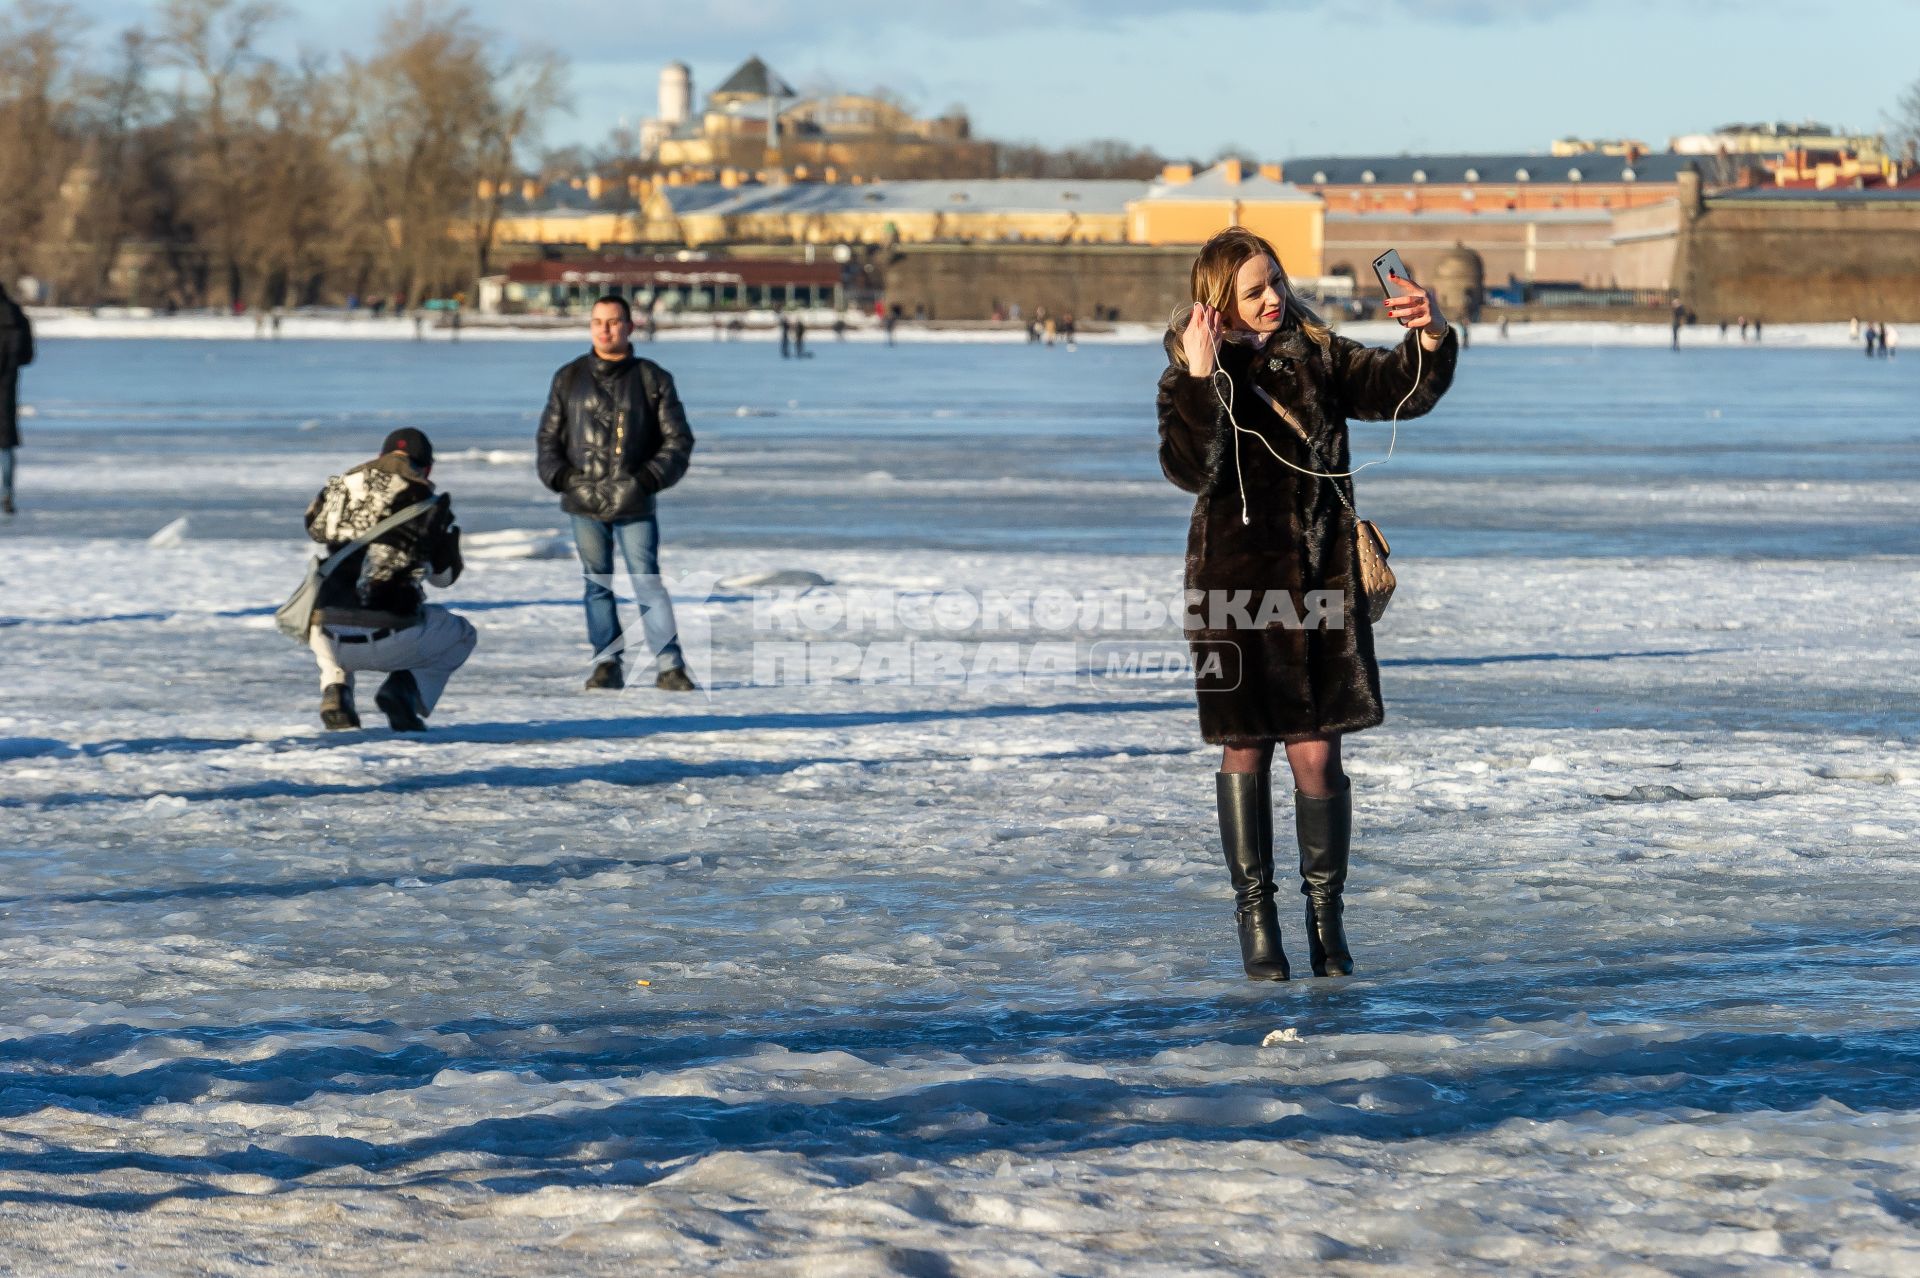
<point x="1212" y="279"/>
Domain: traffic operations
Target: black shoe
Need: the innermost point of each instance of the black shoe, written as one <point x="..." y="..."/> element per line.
<point x="336" y="707"/>
<point x="1245" y="801"/>
<point x="676" y="680"/>
<point x="399" y="696"/>
<point x="6" y="505"/>
<point x="606" y="675"/>
<point x="1325" y="828"/>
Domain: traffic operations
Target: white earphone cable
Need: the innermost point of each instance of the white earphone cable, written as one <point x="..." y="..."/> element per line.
<point x="1227" y="402"/>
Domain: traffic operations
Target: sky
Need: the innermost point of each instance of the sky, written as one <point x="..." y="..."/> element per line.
<point x="1271" y="80"/>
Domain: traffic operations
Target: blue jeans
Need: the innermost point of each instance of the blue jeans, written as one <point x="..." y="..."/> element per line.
<point x="639" y="541"/>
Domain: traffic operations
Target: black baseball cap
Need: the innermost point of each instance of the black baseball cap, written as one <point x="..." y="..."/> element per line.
<point x="414" y="443"/>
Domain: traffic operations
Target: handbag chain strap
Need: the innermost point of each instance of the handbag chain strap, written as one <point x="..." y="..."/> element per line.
<point x="1287" y="417"/>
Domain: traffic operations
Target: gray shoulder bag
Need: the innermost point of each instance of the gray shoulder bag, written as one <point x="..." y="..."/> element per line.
<point x="295" y="617"/>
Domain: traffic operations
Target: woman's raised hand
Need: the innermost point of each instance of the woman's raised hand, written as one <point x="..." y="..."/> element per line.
<point x="1201" y="339"/>
<point x="1415" y="306"/>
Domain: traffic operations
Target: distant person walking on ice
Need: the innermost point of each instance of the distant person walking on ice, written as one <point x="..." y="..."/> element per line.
<point x="16" y="352"/>
<point x="612" y="438"/>
<point x="372" y="613"/>
<point x="1257" y="391"/>
<point x="1889" y="340"/>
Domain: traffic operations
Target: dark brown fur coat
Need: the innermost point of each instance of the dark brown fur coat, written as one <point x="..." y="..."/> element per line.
<point x="1275" y="681"/>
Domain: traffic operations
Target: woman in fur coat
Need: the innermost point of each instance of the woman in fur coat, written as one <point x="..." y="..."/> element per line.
<point x="1253" y="420"/>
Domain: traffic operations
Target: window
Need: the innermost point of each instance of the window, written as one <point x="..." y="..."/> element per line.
<point x="1573" y="175"/>
<point x="1419" y="175"/>
<point x="1366" y="175"/>
<point x="1320" y="176"/>
<point x="1521" y="175"/>
<point x="1628" y="175"/>
<point x="1473" y="175"/>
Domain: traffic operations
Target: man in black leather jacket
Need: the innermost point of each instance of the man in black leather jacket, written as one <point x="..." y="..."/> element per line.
<point x="612" y="436"/>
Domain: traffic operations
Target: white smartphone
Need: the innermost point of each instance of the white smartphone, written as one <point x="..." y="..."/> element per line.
<point x="1385" y="266"/>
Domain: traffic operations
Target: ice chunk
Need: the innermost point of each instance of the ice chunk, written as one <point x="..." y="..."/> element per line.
<point x="783" y="578"/>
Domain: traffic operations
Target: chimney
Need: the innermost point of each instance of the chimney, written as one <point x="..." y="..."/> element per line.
<point x="1176" y="174"/>
<point x="1692" y="201"/>
<point x="832" y="175"/>
<point x="530" y="190"/>
<point x="1272" y="173"/>
<point x="729" y="178"/>
<point x="484" y="190"/>
<point x="596" y="187"/>
<point x="1230" y="170"/>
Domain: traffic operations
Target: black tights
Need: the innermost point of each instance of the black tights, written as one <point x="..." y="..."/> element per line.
<point x="1315" y="763"/>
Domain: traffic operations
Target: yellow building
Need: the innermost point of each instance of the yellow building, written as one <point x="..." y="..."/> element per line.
<point x="1054" y="212"/>
<point x="755" y="117"/>
<point x="1778" y="139"/>
<point x="587" y="211"/>
<point x="1185" y="208"/>
<point x="769" y="207"/>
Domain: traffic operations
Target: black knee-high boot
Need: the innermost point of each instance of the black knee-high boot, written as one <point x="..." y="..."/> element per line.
<point x="1246" y="833"/>
<point x="1325" y="827"/>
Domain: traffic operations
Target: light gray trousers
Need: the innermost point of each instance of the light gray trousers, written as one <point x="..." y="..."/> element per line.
<point x="432" y="650"/>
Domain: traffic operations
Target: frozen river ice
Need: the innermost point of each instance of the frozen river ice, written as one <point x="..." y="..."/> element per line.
<point x="941" y="976"/>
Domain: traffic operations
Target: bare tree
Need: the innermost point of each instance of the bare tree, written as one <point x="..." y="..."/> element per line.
<point x="1103" y="158"/>
<point x="259" y="181"/>
<point x="527" y="86"/>
<point x="296" y="231"/>
<point x="116" y="113"/>
<point x="214" y="41"/>
<point x="38" y="146"/>
<point x="1906" y="122"/>
<point x="440" y="116"/>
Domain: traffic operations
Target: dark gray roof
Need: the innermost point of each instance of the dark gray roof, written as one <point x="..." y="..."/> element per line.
<point x="1400" y="217"/>
<point x="1833" y="194"/>
<point x="1212" y="185"/>
<point x="1492" y="170"/>
<point x="1007" y="195"/>
<point x="756" y="78"/>
<point x="697" y="197"/>
<point x="559" y="195"/>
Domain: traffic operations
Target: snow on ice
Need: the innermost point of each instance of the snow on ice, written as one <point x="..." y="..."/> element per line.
<point x="939" y="978"/>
